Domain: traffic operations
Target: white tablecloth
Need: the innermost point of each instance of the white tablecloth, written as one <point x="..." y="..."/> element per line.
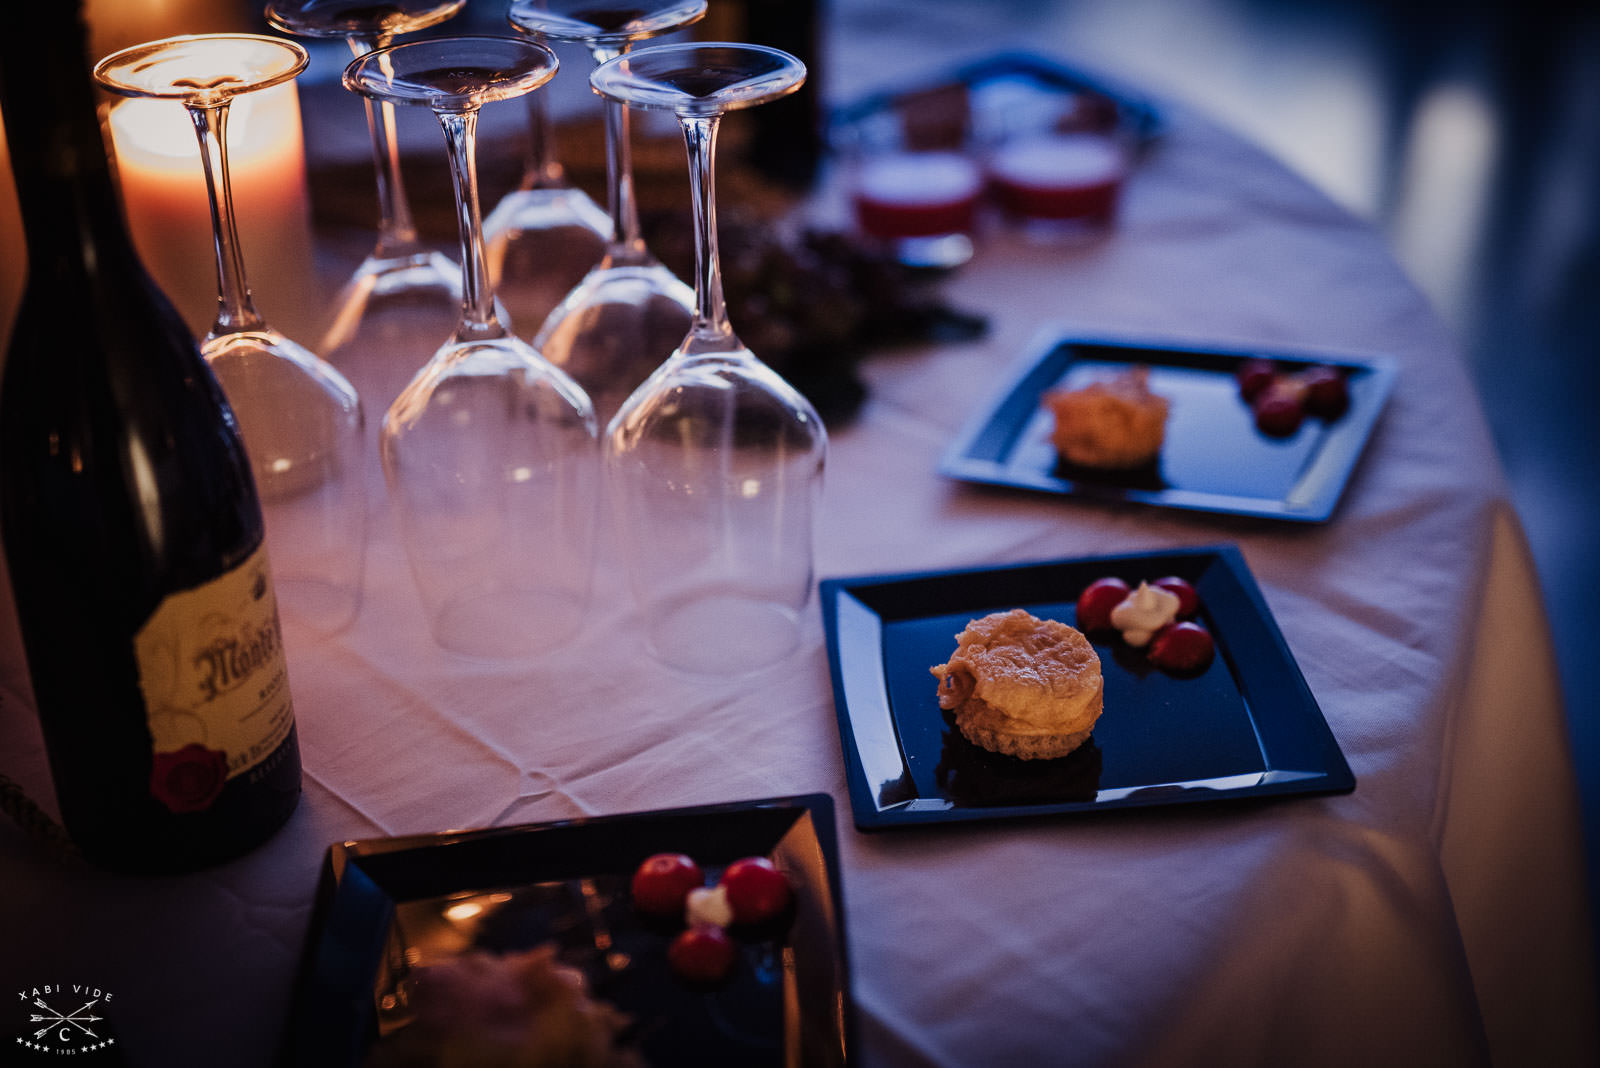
<point x="1434" y="916"/>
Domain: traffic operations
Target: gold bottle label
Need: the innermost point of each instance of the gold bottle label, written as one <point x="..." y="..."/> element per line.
<point x="216" y="688"/>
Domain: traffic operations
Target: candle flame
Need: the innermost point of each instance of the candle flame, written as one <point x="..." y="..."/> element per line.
<point x="211" y="81"/>
<point x="386" y="64"/>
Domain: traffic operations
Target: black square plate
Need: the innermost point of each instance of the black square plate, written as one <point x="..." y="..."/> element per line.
<point x="386" y="904"/>
<point x="1214" y="459"/>
<point x="1246" y="727"/>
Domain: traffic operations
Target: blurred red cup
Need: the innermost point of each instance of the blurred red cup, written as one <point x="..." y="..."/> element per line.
<point x="1070" y="177"/>
<point x="924" y="203"/>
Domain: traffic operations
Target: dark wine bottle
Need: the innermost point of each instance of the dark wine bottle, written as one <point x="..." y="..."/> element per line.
<point x="130" y="520"/>
<point x="785" y="143"/>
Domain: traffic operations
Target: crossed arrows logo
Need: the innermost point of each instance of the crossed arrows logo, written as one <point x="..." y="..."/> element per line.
<point x="78" y="1018"/>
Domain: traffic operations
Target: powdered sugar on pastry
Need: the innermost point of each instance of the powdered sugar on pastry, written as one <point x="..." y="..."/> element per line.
<point x="1143" y="612"/>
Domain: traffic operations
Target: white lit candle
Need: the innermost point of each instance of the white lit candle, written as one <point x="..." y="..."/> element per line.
<point x="119" y="24"/>
<point x="164" y="194"/>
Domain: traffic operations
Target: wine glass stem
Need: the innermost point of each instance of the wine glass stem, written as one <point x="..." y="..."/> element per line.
<point x="478" y="319"/>
<point x="543" y="170"/>
<point x="235" y="311"/>
<point x="397" y="232"/>
<point x="710" y="310"/>
<point x="627" y="245"/>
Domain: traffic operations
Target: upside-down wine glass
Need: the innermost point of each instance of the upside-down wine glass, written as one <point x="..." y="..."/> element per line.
<point x="629" y="311"/>
<point x="544" y="235"/>
<point x="716" y="461"/>
<point x="403" y="297"/>
<point x="490" y="453"/>
<point x="301" y="420"/>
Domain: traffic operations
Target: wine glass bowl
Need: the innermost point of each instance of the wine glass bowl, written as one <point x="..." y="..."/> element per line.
<point x="304" y="430"/>
<point x="716" y="461"/>
<point x="497" y="509"/>
<point x="627" y="313"/>
<point x="301" y="420"/>
<point x="490" y="453"/>
<point x="297" y="438"/>
<point x="716" y="465"/>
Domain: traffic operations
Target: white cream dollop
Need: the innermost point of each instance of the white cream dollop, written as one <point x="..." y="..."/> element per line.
<point x="1143" y="612"/>
<point x="708" y="906"/>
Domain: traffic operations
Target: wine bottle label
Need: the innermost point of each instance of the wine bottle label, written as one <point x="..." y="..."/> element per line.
<point x="216" y="688"/>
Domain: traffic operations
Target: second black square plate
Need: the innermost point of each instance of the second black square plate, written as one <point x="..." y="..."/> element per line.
<point x="1213" y="459"/>
<point x="1246" y="727"/>
<point x="388" y="905"/>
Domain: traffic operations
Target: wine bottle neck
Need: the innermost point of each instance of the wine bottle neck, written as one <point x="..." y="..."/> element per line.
<point x="59" y="162"/>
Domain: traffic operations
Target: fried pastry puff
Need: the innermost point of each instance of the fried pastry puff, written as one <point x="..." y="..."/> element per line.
<point x="1113" y="424"/>
<point x="1027" y="687"/>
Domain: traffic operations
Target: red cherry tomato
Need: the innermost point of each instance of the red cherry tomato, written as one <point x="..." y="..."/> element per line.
<point x="1254" y="376"/>
<point x="1181" y="647"/>
<point x="663" y="881"/>
<point x="757" y="891"/>
<point x="1097" y="600"/>
<point x="1280" y="410"/>
<point x="1327" y="394"/>
<point x="1188" y="600"/>
<point x="702" y="954"/>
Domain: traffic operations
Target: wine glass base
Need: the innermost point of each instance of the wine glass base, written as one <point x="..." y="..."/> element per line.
<point x="300" y="418"/>
<point x="506" y="624"/>
<point x="321" y="606"/>
<point x="303" y="428"/>
<point x="726" y="633"/>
